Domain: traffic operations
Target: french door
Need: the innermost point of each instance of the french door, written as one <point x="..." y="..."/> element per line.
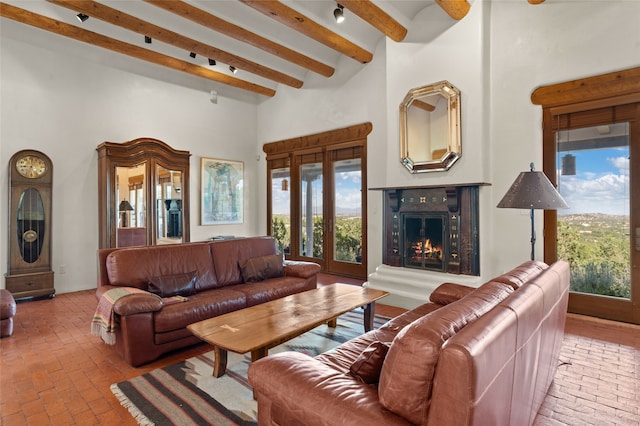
<point x="592" y="153"/>
<point x="317" y="203"/>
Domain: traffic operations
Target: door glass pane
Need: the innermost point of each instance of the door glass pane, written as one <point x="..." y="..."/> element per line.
<point x="281" y="208"/>
<point x="347" y="178"/>
<point x="311" y="232"/>
<point x="168" y="206"/>
<point x="593" y="234"/>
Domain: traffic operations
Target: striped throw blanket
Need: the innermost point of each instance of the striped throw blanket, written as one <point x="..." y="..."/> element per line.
<point x="104" y="320"/>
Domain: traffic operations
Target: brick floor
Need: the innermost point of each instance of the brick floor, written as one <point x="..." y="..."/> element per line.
<point x="53" y="371"/>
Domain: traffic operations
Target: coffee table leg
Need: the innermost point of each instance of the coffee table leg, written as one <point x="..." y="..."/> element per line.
<point x="333" y="323"/>
<point x="220" y="363"/>
<point x="259" y="353"/>
<point x="368" y="316"/>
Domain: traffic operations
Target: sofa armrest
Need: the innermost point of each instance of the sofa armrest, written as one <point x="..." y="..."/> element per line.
<point x="295" y="268"/>
<point x="134" y="303"/>
<point x="138" y="303"/>
<point x="305" y="388"/>
<point x="449" y="292"/>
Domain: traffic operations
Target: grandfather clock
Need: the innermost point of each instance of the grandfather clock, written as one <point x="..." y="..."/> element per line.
<point x="30" y="181"/>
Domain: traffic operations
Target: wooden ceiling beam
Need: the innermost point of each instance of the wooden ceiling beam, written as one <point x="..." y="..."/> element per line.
<point x="457" y="9"/>
<point x="376" y="17"/>
<point x="76" y="33"/>
<point x="199" y="16"/>
<point x="617" y="83"/>
<point x="129" y="22"/>
<point x="297" y="21"/>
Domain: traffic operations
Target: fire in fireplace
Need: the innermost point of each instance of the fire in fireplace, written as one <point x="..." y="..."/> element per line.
<point x="424" y="241"/>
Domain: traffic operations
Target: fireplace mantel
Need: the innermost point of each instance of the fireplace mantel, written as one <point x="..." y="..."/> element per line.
<point x="451" y="185"/>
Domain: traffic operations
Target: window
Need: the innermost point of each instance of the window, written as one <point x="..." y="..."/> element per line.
<point x="317" y="198"/>
<point x="591" y="150"/>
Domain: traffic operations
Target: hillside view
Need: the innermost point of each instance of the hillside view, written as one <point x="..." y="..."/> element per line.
<point x="597" y="248"/>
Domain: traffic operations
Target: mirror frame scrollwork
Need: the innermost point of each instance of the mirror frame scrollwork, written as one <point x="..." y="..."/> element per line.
<point x="443" y="93"/>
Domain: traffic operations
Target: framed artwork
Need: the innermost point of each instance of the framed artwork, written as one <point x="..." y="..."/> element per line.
<point x="221" y="185"/>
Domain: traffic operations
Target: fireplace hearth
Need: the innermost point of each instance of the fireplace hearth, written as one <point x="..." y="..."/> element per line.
<point x="432" y="228"/>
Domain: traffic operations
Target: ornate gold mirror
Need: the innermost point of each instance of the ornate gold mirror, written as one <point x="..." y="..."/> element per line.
<point x="430" y="128"/>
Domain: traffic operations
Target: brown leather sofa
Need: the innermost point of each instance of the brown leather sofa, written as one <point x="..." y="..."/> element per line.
<point x="149" y="326"/>
<point x="482" y="356"/>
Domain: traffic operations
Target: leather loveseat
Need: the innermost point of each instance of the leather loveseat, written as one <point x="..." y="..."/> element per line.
<point x="482" y="356"/>
<point x="149" y="325"/>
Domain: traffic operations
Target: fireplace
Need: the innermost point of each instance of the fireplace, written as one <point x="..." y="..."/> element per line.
<point x="432" y="228"/>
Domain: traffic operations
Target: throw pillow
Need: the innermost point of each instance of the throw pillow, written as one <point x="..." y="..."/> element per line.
<point x="262" y="268"/>
<point x="369" y="363"/>
<point x="172" y="285"/>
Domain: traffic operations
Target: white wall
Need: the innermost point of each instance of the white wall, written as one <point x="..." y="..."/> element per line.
<point x="65" y="106"/>
<point x="533" y="46"/>
<point x="497" y="55"/>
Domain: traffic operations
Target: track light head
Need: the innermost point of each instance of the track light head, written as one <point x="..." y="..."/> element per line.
<point x="338" y="13"/>
<point x="82" y="17"/>
<point x="212" y="62"/>
<point x="192" y="54"/>
<point x="147" y="39"/>
<point x="233" y="69"/>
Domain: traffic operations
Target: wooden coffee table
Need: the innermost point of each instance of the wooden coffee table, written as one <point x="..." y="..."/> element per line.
<point x="258" y="328"/>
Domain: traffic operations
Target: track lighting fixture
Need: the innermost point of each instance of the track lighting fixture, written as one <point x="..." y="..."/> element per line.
<point x="212" y="62"/>
<point x="147" y="39"/>
<point x="338" y="13"/>
<point x="82" y="17"/>
<point x="192" y="54"/>
<point x="233" y="69"/>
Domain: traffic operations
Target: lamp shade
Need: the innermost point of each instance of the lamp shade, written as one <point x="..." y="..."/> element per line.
<point x="532" y="190"/>
<point x="125" y="206"/>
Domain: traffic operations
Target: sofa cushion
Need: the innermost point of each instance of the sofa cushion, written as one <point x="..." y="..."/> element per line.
<point x="368" y="365"/>
<point x="449" y="292"/>
<point x="173" y="285"/>
<point x="261" y="268"/>
<point x="406" y="378"/>
<point x="522" y="273"/>
<point x="228" y="254"/>
<point x="200" y="306"/>
<point x="133" y="267"/>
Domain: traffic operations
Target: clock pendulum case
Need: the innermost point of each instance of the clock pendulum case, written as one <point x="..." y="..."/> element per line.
<point x="30" y="181"/>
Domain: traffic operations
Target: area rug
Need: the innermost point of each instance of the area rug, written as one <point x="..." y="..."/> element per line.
<point x="186" y="393"/>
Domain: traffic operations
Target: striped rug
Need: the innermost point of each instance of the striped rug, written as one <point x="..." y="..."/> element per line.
<point x="186" y="393"/>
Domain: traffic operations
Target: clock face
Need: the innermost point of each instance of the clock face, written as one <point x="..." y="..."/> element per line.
<point x="31" y="166"/>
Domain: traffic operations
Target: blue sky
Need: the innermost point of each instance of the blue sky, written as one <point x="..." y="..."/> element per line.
<point x="601" y="183"/>
<point x="347" y="198"/>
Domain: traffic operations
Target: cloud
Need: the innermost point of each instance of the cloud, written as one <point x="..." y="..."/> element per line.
<point x="607" y="193"/>
<point x="620" y="163"/>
